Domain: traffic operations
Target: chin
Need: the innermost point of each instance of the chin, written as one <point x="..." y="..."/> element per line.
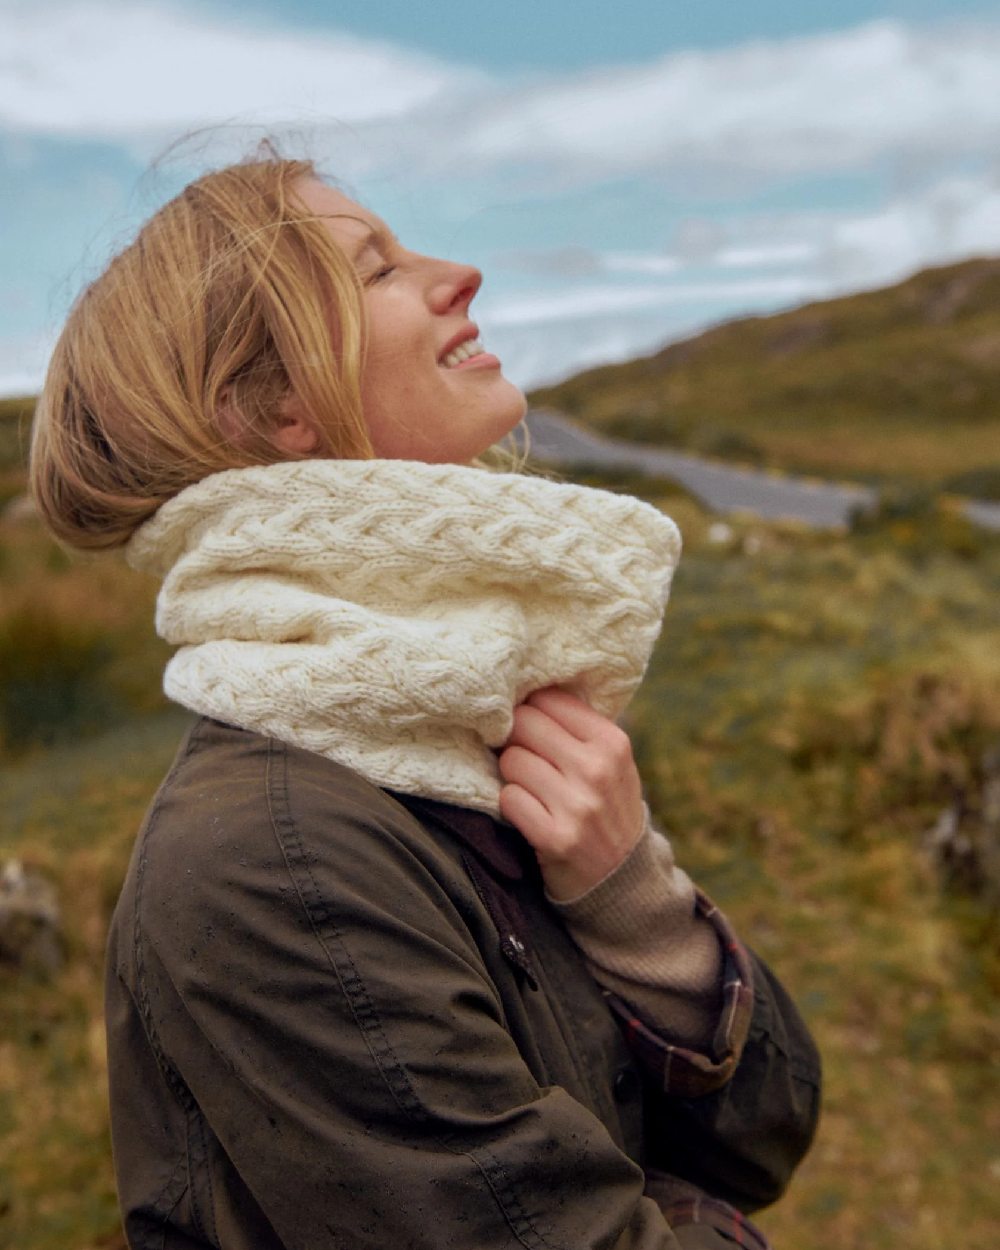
<point x="518" y="404"/>
<point x="513" y="419"/>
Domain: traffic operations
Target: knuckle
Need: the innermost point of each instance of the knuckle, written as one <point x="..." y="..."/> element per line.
<point x="617" y="743"/>
<point x="596" y="769"/>
<point x="561" y="846"/>
<point x="583" y="806"/>
<point x="594" y="775"/>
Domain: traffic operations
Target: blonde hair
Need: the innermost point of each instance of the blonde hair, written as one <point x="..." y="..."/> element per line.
<point x="179" y="359"/>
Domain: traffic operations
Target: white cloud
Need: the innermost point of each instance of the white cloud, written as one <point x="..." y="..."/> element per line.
<point x="583" y="303"/>
<point x="109" y="69"/>
<point x="821" y="102"/>
<point x="952" y="218"/>
<point x="752" y="256"/>
<point x="956" y="218"/>
<point x="662" y="264"/>
<point x="833" y="101"/>
<point x="652" y="264"/>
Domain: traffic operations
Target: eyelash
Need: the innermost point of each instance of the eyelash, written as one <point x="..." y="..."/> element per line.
<point x="383" y="272"/>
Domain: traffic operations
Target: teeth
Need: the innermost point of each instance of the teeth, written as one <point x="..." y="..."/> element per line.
<point x="472" y="348"/>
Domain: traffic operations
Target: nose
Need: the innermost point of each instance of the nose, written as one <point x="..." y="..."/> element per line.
<point x="454" y="286"/>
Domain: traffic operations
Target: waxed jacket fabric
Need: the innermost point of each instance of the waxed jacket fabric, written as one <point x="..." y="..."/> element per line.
<point x="342" y="1018"/>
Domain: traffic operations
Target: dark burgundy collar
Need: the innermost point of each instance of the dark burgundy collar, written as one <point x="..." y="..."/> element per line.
<point x="500" y="846"/>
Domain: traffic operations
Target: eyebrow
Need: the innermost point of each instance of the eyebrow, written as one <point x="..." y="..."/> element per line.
<point x="379" y="236"/>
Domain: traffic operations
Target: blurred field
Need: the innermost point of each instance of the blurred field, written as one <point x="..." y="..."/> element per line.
<point x="813" y="704"/>
<point x="810" y="710"/>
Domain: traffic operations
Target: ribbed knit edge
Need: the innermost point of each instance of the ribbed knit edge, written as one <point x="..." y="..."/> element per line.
<point x="642" y="939"/>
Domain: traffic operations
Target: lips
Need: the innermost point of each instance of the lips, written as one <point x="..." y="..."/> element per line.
<point x="462" y="353"/>
<point x="467" y="337"/>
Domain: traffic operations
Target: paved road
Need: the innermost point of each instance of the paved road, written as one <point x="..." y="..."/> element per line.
<point x="982" y="513"/>
<point x="721" y="487"/>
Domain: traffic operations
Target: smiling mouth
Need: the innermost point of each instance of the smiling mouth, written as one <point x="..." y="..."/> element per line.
<point x="472" y="347"/>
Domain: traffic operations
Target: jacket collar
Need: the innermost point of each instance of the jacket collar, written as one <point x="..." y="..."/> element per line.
<point x="500" y="846"/>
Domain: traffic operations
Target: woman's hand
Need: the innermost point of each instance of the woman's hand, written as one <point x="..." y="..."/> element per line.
<point x="572" y="789"/>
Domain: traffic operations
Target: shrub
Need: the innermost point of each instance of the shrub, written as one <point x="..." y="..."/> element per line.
<point x="919" y="524"/>
<point x="723" y="443"/>
<point x="50" y="672"/>
<point x="981" y="483"/>
<point x="15" y="421"/>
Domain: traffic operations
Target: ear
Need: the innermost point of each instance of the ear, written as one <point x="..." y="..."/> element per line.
<point x="295" y="435"/>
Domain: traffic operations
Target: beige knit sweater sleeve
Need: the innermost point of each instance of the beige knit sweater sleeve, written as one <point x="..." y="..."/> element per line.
<point x="643" y="940"/>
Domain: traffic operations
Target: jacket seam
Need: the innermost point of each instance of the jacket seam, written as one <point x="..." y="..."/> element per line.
<point x="174" y="1083"/>
<point x="197" y="1160"/>
<point x="176" y="1172"/>
<point x="363" y="1009"/>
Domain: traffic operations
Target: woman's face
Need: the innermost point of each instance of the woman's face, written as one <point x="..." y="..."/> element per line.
<point x="421" y="399"/>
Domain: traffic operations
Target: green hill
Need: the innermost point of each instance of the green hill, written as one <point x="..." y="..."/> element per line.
<point x="903" y="381"/>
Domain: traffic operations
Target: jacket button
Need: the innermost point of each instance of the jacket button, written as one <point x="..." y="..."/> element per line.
<point x="626" y="1085"/>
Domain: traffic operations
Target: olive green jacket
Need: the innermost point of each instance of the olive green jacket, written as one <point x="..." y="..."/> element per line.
<point x="341" y="1018"/>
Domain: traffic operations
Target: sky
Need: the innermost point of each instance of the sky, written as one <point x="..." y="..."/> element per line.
<point x="623" y="176"/>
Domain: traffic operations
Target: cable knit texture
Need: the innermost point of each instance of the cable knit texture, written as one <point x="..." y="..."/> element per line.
<point x="390" y="614"/>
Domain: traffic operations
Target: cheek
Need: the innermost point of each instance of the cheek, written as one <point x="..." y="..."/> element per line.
<point x="380" y="375"/>
<point x="398" y="326"/>
<point x="399" y="404"/>
<point x="399" y="361"/>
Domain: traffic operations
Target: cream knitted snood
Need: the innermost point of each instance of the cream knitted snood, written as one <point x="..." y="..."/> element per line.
<point x="390" y="614"/>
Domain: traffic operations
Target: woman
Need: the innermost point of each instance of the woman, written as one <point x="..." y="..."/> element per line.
<point x="398" y="960"/>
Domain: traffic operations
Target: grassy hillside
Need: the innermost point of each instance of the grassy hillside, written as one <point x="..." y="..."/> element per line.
<point x="85" y="736"/>
<point x="814" y="702"/>
<point x="15" y="430"/>
<point x="901" y="381"/>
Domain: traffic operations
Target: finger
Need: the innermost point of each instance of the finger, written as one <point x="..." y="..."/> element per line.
<point x="603" y="746"/>
<point x="521" y="809"/>
<point x="602" y="759"/>
<point x="522" y="767"/>
<point x="574" y="714"/>
<point x="538" y="732"/>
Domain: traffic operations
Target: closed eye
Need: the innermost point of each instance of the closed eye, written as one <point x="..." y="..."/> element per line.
<point x="379" y="274"/>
